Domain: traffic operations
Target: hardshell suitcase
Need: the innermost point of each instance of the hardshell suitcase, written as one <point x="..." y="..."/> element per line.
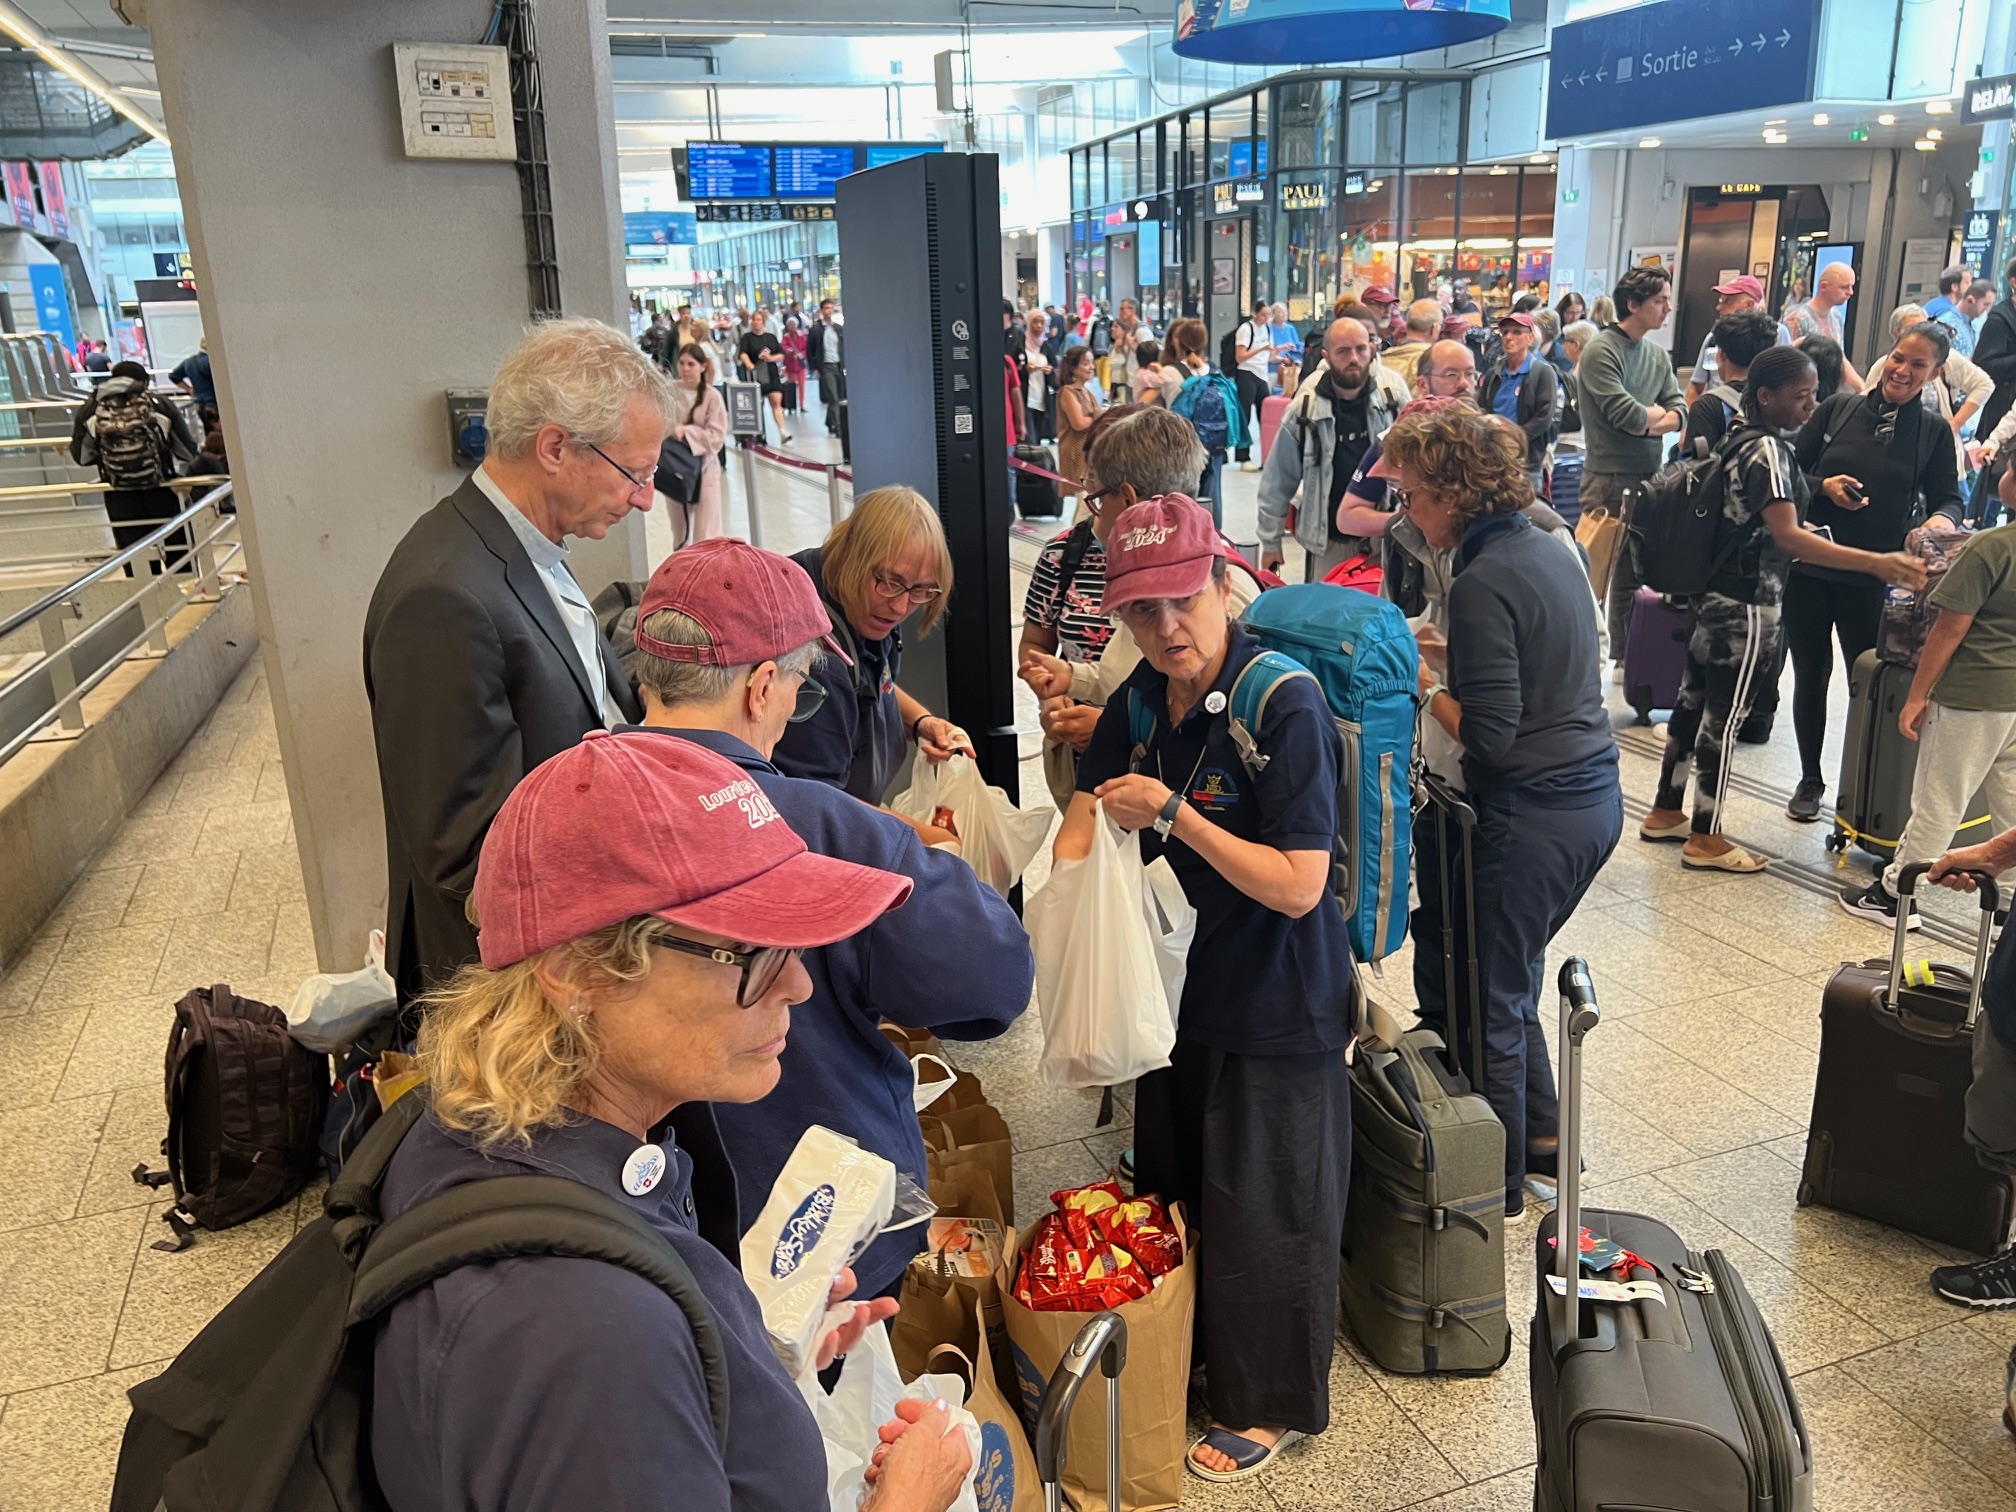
<point x="1888" y="1137"/>
<point x="1272" y="408"/>
<point x="1036" y="497"/>
<point x="1564" y="486"/>
<point x="1678" y="1402"/>
<point x="1422" y="1278"/>
<point x="1873" y="798"/>
<point x="1655" y="652"/>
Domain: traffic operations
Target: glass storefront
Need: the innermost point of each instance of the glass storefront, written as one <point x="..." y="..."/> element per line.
<point x="1316" y="185"/>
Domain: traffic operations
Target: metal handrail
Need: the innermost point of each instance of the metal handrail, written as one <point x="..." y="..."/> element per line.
<point x="160" y="594"/>
<point x="111" y="564"/>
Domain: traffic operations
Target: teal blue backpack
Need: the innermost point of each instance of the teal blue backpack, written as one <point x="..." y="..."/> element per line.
<point x="1359" y="651"/>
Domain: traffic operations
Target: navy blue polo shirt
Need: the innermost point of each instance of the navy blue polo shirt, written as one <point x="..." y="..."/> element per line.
<point x="542" y="1382"/>
<point x="855" y="742"/>
<point x="953" y="959"/>
<point x="1259" y="982"/>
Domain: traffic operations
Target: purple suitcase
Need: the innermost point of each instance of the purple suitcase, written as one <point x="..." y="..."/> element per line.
<point x="1655" y="655"/>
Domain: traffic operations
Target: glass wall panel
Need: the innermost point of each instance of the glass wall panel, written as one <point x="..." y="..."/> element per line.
<point x="1367" y="233"/>
<point x="1372" y="132"/>
<point x="1434" y="121"/>
<point x="1427" y="233"/>
<point x="1095" y="194"/>
<point x="1305" y="124"/>
<point x="1078" y="200"/>
<point x="1490" y="200"/>
<point x="1122" y="181"/>
<point x="1534" y="273"/>
<point x="1231" y="121"/>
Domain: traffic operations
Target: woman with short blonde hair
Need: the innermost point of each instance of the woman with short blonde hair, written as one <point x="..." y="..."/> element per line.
<point x="886" y="560"/>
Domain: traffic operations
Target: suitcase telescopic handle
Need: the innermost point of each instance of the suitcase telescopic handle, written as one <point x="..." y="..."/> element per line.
<point x="1579" y="1014"/>
<point x="1104" y="1341"/>
<point x="1991" y="898"/>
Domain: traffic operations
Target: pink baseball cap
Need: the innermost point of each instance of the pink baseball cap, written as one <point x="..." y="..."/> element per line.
<point x="1160" y="548"/>
<point x="1379" y="294"/>
<point x="626" y="825"/>
<point x="753" y="604"/>
<point x="1743" y="283"/>
<point x="1517" y="318"/>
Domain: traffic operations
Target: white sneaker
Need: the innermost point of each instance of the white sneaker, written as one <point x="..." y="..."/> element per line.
<point x="1249" y="467"/>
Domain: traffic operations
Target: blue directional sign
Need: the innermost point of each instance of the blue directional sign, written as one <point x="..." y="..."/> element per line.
<point x="1677" y="61"/>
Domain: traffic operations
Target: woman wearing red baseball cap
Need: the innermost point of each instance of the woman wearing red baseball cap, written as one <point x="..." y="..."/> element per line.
<point x="1250" y="1124"/>
<point x="640" y="908"/>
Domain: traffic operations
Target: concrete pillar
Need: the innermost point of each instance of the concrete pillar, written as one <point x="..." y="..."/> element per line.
<point x="345" y="288"/>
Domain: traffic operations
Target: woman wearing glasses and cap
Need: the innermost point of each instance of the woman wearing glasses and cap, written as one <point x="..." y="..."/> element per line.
<point x="1249" y="1126"/>
<point x="887" y="559"/>
<point x="627" y="981"/>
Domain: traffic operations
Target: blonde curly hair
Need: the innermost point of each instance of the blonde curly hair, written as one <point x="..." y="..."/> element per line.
<point x="501" y="1057"/>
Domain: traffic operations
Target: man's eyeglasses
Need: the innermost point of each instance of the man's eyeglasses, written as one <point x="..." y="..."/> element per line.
<point x="893" y="588"/>
<point x="648" y="480"/>
<point x="760" y="967"/>
<point x="1465" y="376"/>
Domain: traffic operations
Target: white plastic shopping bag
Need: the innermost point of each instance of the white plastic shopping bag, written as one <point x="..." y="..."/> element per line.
<point x="997" y="839"/>
<point x="850" y="1418"/>
<point x="1100" y="982"/>
<point x="1173" y="923"/>
<point x="331" y="1009"/>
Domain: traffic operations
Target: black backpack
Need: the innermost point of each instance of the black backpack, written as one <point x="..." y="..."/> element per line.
<point x="245" y="1111"/>
<point x="1228" y="352"/>
<point x="1677" y="516"/>
<point x="269" y="1408"/>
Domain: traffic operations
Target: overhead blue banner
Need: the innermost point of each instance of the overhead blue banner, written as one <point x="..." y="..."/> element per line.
<point x="1677" y="61"/>
<point x="660" y="228"/>
<point x="1329" y="31"/>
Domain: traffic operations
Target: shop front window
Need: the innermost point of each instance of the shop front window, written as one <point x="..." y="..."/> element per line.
<point x="1367" y="232"/>
<point x="1534" y="272"/>
<point x="1490" y="201"/>
<point x="1427" y="239"/>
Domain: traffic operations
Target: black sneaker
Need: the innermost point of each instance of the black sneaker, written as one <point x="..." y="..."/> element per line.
<point x="1756" y="730"/>
<point x="1984" y="1284"/>
<point x="1874" y="903"/>
<point x="1805" y="804"/>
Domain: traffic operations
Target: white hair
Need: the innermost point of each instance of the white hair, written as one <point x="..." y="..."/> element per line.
<point x="678" y="682"/>
<point x="1904" y="317"/>
<point x="577" y="374"/>
<point x="1579" y="332"/>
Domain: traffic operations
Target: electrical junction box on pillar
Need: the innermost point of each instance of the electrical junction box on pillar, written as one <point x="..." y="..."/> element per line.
<point x="468" y="430"/>
<point x="455" y="100"/>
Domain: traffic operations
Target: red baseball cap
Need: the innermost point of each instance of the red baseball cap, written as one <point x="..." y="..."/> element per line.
<point x="1743" y="283"/>
<point x="1160" y="548"/>
<point x="753" y="604"/>
<point x="1518" y="318"/>
<point x="626" y="825"/>
<point x="1379" y="294"/>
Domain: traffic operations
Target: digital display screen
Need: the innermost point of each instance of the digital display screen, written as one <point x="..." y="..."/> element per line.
<point x="727" y="170"/>
<point x="893" y="152"/>
<point x="811" y="172"/>
<point x="1148" y="252"/>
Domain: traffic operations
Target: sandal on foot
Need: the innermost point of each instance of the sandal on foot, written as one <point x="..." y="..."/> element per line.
<point x="1734" y="859"/>
<point x="1679" y="829"/>
<point x="1250" y="1457"/>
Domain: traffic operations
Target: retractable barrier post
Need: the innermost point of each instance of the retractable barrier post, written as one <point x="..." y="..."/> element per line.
<point x="749" y="495"/>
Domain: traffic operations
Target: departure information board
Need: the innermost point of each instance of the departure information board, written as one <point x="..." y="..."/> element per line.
<point x="728" y="171"/>
<point x="785" y="170"/>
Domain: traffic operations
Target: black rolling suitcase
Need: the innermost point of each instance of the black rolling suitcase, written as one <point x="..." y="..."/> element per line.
<point x="1036" y="497"/>
<point x="1422" y="1276"/>
<point x="1676" y="1402"/>
<point x="1873" y="798"/>
<point x="1888" y="1139"/>
<point x="1102" y="1341"/>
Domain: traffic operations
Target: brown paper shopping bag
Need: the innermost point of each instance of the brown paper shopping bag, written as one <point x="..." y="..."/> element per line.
<point x="935" y="1306"/>
<point x="1602" y="536"/>
<point x="912" y="1041"/>
<point x="978" y="1134"/>
<point x="1004" y="1479"/>
<point x="1154" y="1388"/>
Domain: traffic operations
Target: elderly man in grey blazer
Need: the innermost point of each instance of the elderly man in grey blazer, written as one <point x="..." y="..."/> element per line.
<point x="482" y="657"/>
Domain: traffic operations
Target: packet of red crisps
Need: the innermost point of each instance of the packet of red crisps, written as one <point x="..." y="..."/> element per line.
<point x="1114" y="1276"/>
<point x="942" y="817"/>
<point x="1047" y="1248"/>
<point x="1142" y="1228"/>
<point x="1078" y="1206"/>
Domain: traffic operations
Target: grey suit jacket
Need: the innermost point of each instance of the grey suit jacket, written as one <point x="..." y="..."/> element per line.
<point x="473" y="681"/>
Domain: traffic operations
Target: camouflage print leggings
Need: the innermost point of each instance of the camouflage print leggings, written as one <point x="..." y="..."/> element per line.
<point x="1730" y="652"/>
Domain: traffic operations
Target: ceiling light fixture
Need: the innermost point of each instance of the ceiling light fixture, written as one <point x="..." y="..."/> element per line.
<point x="1822" y="119"/>
<point x="1936" y="134"/>
<point x="1779" y="122"/>
<point x="1886" y="119"/>
<point x="1538" y="157"/>
<point x="1500" y="171"/>
<point x="1938" y="107"/>
<point x="1648" y="141"/>
<point x="1926" y="144"/>
<point x="24" y="29"/>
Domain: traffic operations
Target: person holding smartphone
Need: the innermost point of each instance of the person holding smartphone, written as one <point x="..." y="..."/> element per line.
<point x="1878" y="463"/>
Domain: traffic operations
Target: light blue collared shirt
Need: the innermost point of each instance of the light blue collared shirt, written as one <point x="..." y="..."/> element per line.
<point x="550" y="562"/>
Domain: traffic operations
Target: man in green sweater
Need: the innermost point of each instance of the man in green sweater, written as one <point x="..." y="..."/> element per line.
<point x="1629" y="399"/>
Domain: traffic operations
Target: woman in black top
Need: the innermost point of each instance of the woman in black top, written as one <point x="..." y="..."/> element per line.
<point x="1733" y="641"/>
<point x="758" y="355"/>
<point x="1878" y="463"/>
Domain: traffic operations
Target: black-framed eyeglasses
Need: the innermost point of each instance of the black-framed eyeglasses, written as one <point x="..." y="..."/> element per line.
<point x="811" y="699"/>
<point x="1104" y="493"/>
<point x="648" y="480"/>
<point x="760" y="967"/>
<point x="893" y="588"/>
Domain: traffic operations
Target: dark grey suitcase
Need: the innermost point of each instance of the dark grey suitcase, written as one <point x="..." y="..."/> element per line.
<point x="1644" y="1405"/>
<point x="1422" y="1276"/>
<point x="1888" y="1137"/>
<point x="1101" y="1342"/>
<point x="1873" y="798"/>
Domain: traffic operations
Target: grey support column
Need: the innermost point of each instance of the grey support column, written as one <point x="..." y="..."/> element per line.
<point x="345" y="287"/>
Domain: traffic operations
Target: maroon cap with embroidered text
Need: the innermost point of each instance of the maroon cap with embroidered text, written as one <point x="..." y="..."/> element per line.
<point x="1160" y="548"/>
<point x="754" y="604"/>
<point x="635" y="824"/>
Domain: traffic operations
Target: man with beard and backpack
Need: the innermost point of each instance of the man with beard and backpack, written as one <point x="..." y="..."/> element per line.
<point x="134" y="439"/>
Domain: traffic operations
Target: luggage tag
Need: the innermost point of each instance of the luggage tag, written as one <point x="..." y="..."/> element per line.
<point x="1592" y="1290"/>
<point x="1601" y="1254"/>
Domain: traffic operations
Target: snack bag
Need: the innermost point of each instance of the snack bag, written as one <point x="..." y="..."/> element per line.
<point x="830" y="1201"/>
